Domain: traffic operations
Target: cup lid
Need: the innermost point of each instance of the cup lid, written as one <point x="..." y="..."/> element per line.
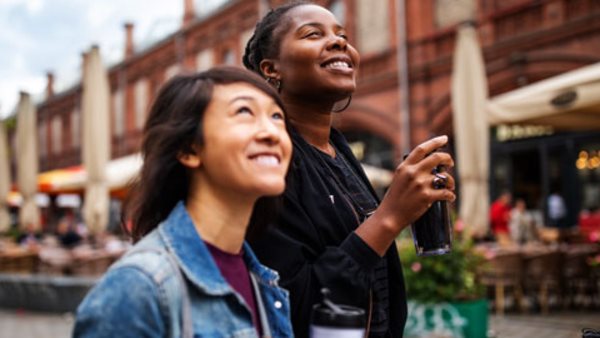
<point x="329" y="314"/>
<point x="349" y="317"/>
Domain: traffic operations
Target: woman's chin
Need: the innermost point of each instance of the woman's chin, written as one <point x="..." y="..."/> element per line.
<point x="341" y="93"/>
<point x="272" y="189"/>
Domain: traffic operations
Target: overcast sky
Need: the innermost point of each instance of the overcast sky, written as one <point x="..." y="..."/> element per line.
<point x="41" y="35"/>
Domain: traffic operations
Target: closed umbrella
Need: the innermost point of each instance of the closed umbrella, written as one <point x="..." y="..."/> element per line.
<point x="96" y="142"/>
<point x="471" y="133"/>
<point x="4" y="180"/>
<point x="27" y="163"/>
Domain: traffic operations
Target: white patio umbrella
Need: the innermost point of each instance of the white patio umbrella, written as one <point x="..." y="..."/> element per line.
<point x="4" y="180"/>
<point x="471" y="133"/>
<point x="27" y="162"/>
<point x="569" y="101"/>
<point x="96" y="141"/>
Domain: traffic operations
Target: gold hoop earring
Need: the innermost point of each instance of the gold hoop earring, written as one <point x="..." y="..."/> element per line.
<point x="344" y="107"/>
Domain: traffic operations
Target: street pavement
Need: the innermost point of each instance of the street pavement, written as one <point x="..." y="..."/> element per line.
<point x="553" y="325"/>
<point x="22" y="324"/>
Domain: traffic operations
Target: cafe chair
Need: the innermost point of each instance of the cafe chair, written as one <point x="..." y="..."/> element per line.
<point x="504" y="272"/>
<point x="577" y="280"/>
<point x="543" y="277"/>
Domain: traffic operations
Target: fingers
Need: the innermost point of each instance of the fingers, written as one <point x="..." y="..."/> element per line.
<point x="426" y="148"/>
<point x="435" y="160"/>
<point x="450" y="183"/>
<point x="445" y="192"/>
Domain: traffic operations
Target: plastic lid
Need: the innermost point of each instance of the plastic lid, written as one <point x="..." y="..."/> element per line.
<point x="329" y="314"/>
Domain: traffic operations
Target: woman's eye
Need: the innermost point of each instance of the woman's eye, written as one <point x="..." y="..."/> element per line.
<point x="343" y="36"/>
<point x="313" y="34"/>
<point x="278" y="116"/>
<point x="244" y="110"/>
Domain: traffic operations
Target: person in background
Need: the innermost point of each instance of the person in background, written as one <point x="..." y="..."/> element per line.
<point x="520" y="224"/>
<point x="334" y="232"/>
<point x="216" y="152"/>
<point x="557" y="210"/>
<point x="30" y="238"/>
<point x="500" y="216"/>
<point x="66" y="230"/>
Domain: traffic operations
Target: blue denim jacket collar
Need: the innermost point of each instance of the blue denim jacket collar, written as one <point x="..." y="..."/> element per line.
<point x="181" y="238"/>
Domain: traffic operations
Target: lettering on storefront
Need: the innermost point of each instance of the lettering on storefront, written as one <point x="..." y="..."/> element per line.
<point x="516" y="132"/>
<point x="436" y="320"/>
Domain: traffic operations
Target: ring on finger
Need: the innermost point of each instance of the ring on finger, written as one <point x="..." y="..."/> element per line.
<point x="439" y="181"/>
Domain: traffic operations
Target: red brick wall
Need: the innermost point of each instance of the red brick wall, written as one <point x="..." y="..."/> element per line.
<point x="524" y="41"/>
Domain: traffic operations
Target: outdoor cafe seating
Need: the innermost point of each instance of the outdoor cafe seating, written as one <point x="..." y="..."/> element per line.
<point x="538" y="276"/>
<point x="55" y="260"/>
<point x="49" y="277"/>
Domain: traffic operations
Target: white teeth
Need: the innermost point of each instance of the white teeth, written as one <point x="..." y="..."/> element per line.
<point x="267" y="160"/>
<point x="338" y="65"/>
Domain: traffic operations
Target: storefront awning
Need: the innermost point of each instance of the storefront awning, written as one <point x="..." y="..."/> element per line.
<point x="61" y="180"/>
<point x="570" y="101"/>
<point x="72" y="179"/>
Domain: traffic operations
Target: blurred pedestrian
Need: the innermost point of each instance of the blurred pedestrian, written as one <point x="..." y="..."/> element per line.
<point x="334" y="232"/>
<point x="520" y="224"/>
<point x="214" y="144"/>
<point x="30" y="238"/>
<point x="557" y="210"/>
<point x="66" y="230"/>
<point x="500" y="216"/>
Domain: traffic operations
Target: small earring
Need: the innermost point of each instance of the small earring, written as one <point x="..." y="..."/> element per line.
<point x="338" y="110"/>
<point x="274" y="82"/>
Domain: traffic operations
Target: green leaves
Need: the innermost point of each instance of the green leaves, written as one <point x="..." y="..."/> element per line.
<point x="442" y="278"/>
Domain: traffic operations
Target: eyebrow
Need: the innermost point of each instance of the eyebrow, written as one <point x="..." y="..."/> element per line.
<point x="319" y="25"/>
<point x="253" y="99"/>
<point x="242" y="98"/>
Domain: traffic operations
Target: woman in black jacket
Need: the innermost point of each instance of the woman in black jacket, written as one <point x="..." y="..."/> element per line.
<point x="334" y="232"/>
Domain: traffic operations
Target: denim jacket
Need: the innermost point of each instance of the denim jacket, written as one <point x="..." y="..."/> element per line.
<point x="134" y="298"/>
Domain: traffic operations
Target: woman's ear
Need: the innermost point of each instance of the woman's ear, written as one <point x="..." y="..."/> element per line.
<point x="269" y="69"/>
<point x="190" y="159"/>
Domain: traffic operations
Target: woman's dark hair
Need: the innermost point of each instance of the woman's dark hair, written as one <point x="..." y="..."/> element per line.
<point x="175" y="124"/>
<point x="266" y="39"/>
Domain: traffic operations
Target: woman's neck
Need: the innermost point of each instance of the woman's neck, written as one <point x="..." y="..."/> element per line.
<point x="312" y="121"/>
<point x="220" y="219"/>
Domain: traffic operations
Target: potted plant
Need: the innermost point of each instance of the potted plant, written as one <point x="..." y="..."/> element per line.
<point x="445" y="298"/>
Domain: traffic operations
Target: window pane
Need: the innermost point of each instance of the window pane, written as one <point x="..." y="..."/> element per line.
<point x="204" y="60"/>
<point x="373" y="26"/>
<point x="56" y="135"/>
<point x="75" y="128"/>
<point x="119" y="112"/>
<point x="141" y="102"/>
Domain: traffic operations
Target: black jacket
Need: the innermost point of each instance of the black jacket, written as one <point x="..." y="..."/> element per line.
<point x="313" y="245"/>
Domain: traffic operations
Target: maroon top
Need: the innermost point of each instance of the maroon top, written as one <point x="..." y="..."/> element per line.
<point x="234" y="270"/>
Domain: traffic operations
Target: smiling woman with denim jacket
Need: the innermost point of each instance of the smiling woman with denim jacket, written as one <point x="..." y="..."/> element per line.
<point x="216" y="151"/>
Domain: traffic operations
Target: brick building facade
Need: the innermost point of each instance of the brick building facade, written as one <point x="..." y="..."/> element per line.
<point x="523" y="41"/>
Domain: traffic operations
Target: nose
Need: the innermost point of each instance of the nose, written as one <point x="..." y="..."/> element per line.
<point x="268" y="131"/>
<point x="337" y="42"/>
